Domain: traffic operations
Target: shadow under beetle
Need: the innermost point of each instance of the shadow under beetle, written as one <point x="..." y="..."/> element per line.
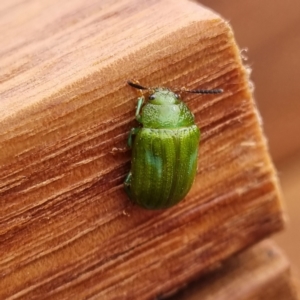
<point x="164" y="149"/>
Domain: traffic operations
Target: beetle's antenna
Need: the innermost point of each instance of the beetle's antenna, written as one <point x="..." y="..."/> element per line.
<point x="215" y="91"/>
<point x="137" y="86"/>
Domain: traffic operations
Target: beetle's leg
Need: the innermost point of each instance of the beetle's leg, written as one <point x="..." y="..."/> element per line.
<point x="132" y="132"/>
<point x="127" y="184"/>
<point x="138" y="108"/>
<point x="116" y="150"/>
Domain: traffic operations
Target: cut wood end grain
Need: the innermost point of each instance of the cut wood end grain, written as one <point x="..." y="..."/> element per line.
<point x="67" y="227"/>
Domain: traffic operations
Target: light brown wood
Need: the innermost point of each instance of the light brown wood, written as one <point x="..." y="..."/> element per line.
<point x="67" y="228"/>
<point x="260" y="273"/>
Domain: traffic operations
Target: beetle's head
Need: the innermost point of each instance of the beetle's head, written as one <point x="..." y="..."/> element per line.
<point x="163" y="96"/>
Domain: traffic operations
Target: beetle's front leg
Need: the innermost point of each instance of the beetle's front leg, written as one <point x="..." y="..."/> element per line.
<point x="138" y="108"/>
<point x="127" y="183"/>
<point x="132" y="132"/>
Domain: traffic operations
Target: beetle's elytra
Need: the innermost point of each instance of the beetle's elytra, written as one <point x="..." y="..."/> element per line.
<point x="164" y="149"/>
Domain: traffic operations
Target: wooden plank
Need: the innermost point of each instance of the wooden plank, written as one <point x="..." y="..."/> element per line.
<point x="67" y="228"/>
<point x="261" y="272"/>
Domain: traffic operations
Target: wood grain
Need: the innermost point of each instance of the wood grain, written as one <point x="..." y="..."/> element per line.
<point x="67" y="229"/>
<point x="262" y="272"/>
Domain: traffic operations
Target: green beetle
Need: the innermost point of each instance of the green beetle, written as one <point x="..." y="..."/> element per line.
<point x="164" y="150"/>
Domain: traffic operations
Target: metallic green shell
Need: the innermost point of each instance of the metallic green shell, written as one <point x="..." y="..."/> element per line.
<point x="163" y="166"/>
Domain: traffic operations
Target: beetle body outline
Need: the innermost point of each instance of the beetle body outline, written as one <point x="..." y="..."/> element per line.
<point x="164" y="149"/>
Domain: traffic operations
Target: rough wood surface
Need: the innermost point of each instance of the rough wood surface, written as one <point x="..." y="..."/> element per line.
<point x="262" y="272"/>
<point x="67" y="229"/>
